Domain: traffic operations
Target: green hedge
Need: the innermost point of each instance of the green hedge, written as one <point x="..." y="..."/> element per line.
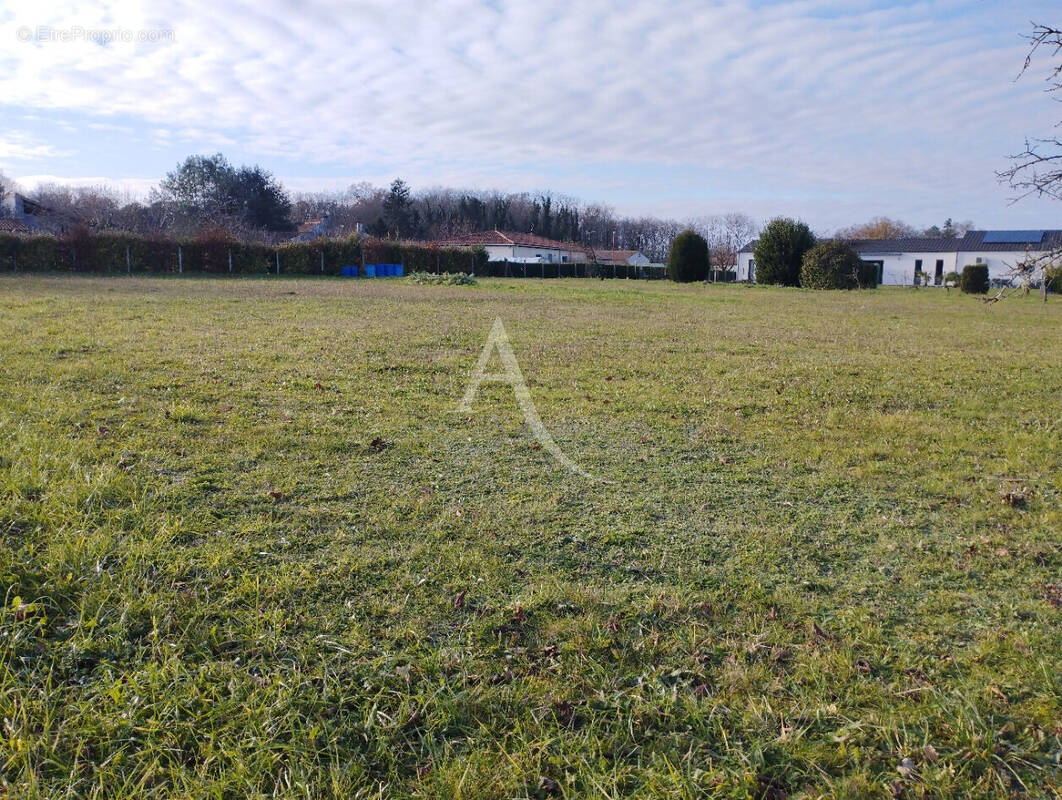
<point x="82" y="251"/>
<point x="974" y="279"/>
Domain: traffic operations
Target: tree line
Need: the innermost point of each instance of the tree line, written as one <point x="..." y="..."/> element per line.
<point x="206" y="193"/>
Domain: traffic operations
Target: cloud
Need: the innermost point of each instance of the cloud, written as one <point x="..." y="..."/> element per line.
<point x="21" y="146"/>
<point x="794" y="97"/>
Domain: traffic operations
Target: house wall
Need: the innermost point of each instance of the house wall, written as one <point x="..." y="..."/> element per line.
<point x="744" y="265"/>
<point x="898" y="268"/>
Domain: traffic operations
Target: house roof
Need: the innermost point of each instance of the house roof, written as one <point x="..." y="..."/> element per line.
<point x="309" y="225"/>
<point x="8" y="225"/>
<point x="508" y="238"/>
<point x="614" y="256"/>
<point x="972" y="240"/>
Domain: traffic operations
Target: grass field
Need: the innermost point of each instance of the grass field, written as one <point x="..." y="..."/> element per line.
<point x="247" y="549"/>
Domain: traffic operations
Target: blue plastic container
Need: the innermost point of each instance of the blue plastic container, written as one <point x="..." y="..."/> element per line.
<point x="400" y="271"/>
<point x="370" y="270"/>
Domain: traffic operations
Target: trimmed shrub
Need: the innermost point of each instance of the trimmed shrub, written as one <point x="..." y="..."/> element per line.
<point x="688" y="260"/>
<point x="830" y="265"/>
<point x="952" y="277"/>
<point x="779" y="252"/>
<point x="974" y="279"/>
<point x="1053" y="279"/>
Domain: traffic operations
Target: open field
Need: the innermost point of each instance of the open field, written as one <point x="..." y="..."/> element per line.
<point x="247" y="549"/>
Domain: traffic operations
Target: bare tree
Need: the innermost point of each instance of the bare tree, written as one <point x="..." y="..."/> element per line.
<point x="1037" y="170"/>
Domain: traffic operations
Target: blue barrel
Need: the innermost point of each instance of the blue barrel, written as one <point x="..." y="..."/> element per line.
<point x="370" y="270"/>
<point x="390" y="270"/>
<point x="400" y="271"/>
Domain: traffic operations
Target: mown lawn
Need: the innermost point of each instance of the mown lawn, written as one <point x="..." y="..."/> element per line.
<point x="247" y="549"/>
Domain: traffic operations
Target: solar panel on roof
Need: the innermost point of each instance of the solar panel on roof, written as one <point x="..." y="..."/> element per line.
<point x="1012" y="237"/>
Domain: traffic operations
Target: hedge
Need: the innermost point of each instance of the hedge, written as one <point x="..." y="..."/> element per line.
<point x="1053" y="278"/>
<point x="974" y="279"/>
<point x="84" y="251"/>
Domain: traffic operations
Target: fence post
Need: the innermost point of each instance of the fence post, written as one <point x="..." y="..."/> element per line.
<point x="230" y="259"/>
<point x="277" y="253"/>
<point x="180" y="261"/>
<point x="322" y="261"/>
<point x="128" y="262"/>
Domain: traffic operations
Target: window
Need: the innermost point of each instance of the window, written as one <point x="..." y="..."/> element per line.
<point x="938" y="272"/>
<point x="918" y="268"/>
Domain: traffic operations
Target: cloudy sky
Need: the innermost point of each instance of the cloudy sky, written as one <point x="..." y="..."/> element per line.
<point x="831" y="111"/>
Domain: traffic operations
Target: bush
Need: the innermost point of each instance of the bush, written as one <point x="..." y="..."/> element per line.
<point x="688" y="260"/>
<point x="974" y="279"/>
<point x="779" y="252"/>
<point x="442" y="279"/>
<point x="830" y="265"/>
<point x="953" y="278"/>
<point x="867" y="276"/>
<point x="1053" y="279"/>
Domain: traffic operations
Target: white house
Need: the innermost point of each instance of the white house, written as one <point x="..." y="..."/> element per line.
<point x="520" y="247"/>
<point x="899" y="259"/>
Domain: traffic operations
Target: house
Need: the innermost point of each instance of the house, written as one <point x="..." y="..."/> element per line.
<point x="22" y="214"/>
<point x="313" y="229"/>
<point x="525" y="248"/>
<point x="899" y="259"/>
<point x="632" y="258"/>
<point x="9" y="225"/>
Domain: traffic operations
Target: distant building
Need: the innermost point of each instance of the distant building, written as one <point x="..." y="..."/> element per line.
<point x="526" y="248"/>
<point x="634" y="258"/>
<point x="899" y="259"/>
<point x="23" y="215"/>
<point x="313" y="229"/>
<point x="9" y="225"/>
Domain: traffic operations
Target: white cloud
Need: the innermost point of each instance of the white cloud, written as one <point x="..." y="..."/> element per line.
<point x="810" y="96"/>
<point x="21" y="146"/>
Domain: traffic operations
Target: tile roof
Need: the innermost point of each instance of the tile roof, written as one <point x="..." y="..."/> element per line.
<point x="484" y="238"/>
<point x="614" y="256"/>
<point x="8" y="225"/>
<point x="912" y="244"/>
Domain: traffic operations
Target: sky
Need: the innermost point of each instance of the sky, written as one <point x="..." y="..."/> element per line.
<point x="831" y="112"/>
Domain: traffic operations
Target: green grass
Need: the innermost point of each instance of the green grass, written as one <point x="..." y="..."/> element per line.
<point x="215" y="585"/>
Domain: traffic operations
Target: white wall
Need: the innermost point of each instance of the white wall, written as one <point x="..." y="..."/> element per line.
<point x="898" y="268"/>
